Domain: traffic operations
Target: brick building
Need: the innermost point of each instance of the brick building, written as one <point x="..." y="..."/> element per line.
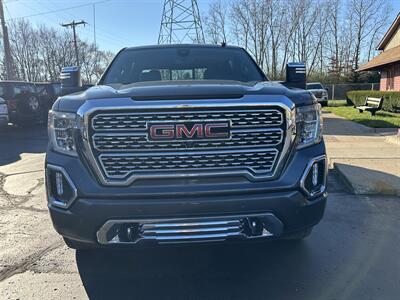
<point x="388" y="61"/>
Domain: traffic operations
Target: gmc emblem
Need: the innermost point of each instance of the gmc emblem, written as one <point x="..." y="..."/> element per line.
<point x="189" y="131"/>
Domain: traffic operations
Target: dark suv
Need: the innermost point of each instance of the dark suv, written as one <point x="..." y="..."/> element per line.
<point x="185" y="143"/>
<point x="48" y="92"/>
<point x="22" y="101"/>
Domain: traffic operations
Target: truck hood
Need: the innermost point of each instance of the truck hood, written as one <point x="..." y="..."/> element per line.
<point x="317" y="90"/>
<point x="181" y="90"/>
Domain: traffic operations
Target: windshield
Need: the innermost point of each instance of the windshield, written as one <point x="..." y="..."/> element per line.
<point x="314" y="86"/>
<point x="167" y="64"/>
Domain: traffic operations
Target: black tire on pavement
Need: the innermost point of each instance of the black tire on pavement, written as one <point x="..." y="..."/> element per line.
<point x="77" y="245"/>
<point x="298" y="236"/>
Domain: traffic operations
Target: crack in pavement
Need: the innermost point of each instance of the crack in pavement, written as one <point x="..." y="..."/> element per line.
<point x="32" y="209"/>
<point x="27" y="262"/>
<point x="20" y="173"/>
<point x="17" y="200"/>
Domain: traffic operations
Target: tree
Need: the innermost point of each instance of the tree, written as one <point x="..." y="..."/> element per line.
<point x="40" y="52"/>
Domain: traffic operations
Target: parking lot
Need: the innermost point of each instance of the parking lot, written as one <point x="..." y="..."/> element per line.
<point x="352" y="254"/>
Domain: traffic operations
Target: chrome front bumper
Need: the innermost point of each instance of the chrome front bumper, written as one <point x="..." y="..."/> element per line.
<point x="207" y="229"/>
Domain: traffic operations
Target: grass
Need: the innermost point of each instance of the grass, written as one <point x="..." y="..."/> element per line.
<point x="383" y="119"/>
<point x="335" y="103"/>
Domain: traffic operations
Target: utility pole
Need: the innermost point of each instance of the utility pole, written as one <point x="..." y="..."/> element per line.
<point x="94" y="24"/>
<point x="73" y="24"/>
<point x="6" y="42"/>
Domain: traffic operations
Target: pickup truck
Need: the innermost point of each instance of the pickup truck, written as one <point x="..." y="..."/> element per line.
<point x="319" y="92"/>
<point x="183" y="144"/>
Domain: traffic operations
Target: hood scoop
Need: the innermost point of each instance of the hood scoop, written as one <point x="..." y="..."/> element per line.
<point x="187" y="91"/>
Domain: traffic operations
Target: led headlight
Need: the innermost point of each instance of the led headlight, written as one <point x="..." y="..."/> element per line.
<point x="61" y="129"/>
<point x="309" y="125"/>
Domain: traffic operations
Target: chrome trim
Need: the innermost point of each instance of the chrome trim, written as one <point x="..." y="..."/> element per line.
<point x="52" y="199"/>
<point x="194" y="230"/>
<point x="232" y="132"/>
<point x="199" y="172"/>
<point x="307" y="170"/>
<point x="174" y="121"/>
<point x="209" y="223"/>
<point x="225" y="227"/>
<point x="90" y="107"/>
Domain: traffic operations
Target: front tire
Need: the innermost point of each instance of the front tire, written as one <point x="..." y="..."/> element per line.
<point x="78" y="245"/>
<point x="298" y="236"/>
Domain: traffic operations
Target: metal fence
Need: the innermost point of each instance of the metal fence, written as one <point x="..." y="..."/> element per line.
<point x="338" y="91"/>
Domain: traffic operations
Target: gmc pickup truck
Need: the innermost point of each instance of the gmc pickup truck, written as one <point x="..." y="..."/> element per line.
<point x="182" y="144"/>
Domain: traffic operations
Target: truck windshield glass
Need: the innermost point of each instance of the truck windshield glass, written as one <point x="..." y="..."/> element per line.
<point x="166" y="64"/>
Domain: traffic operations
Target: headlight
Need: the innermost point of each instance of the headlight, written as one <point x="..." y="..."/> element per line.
<point x="309" y="125"/>
<point x="61" y="128"/>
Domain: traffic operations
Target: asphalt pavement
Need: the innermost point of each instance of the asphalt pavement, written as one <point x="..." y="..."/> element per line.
<point x="352" y="254"/>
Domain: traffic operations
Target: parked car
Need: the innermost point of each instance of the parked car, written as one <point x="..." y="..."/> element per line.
<point x="3" y="113"/>
<point x="181" y="144"/>
<point x="48" y="92"/>
<point x="22" y="101"/>
<point x="319" y="92"/>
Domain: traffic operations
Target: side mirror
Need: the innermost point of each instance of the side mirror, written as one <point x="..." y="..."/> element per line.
<point x="296" y="75"/>
<point x="71" y="82"/>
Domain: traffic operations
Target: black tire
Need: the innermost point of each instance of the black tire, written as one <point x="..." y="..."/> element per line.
<point x="298" y="236"/>
<point x="78" y="245"/>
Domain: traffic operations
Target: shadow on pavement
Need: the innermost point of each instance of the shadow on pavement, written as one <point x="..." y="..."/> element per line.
<point x="233" y="271"/>
<point x="16" y="140"/>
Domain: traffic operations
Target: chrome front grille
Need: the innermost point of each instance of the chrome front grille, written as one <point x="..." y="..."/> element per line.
<point x="122" y="151"/>
<point x="122" y="165"/>
<point x="138" y="121"/>
<point x="318" y="94"/>
<point x="139" y="142"/>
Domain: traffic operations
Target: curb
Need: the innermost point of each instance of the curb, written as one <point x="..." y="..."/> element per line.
<point x="358" y="189"/>
<point x="344" y="179"/>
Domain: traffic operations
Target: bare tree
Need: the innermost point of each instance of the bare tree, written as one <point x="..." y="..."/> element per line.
<point x="39" y="53"/>
<point x="216" y="22"/>
<point x="367" y="17"/>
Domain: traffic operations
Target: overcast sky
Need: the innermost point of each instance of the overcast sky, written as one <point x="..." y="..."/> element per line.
<point x="119" y="23"/>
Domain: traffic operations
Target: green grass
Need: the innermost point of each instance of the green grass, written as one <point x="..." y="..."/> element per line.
<point x="383" y="119"/>
<point x="335" y="103"/>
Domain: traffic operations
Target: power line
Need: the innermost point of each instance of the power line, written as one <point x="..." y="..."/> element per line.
<point x="57" y="10"/>
<point x="101" y="34"/>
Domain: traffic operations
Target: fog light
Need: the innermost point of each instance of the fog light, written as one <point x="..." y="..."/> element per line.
<point x="313" y="181"/>
<point x="315" y="174"/>
<point x="61" y="190"/>
<point x="59" y="184"/>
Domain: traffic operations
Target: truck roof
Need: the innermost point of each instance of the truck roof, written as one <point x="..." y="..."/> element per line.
<point x="183" y="46"/>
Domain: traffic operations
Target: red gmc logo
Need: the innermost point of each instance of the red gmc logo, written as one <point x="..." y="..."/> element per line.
<point x="189" y="131"/>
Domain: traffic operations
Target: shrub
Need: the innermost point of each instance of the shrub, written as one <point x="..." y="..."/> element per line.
<point x="391" y="100"/>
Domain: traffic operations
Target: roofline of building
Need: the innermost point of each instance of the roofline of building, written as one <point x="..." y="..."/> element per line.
<point x="388" y="35"/>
